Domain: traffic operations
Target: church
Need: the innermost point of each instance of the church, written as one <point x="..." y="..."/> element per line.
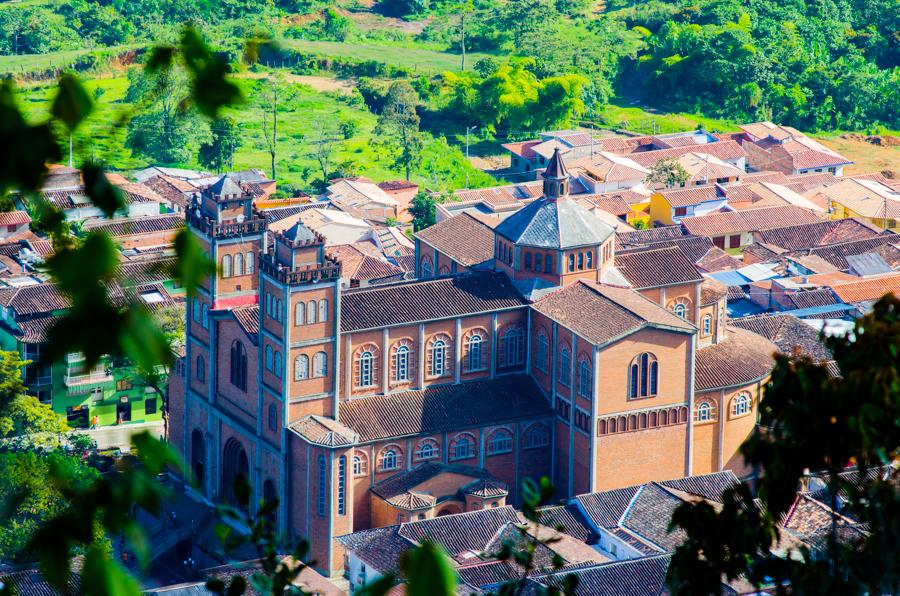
<point x="559" y="356"/>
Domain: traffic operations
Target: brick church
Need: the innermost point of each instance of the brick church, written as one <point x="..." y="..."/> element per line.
<point x="557" y="356"/>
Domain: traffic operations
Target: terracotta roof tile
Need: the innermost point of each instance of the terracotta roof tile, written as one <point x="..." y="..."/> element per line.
<point x="357" y="265"/>
<point x="30" y="300"/>
<point x="14" y="218"/>
<point x="138" y="225"/>
<point x="712" y="291"/>
<point x="248" y="318"/>
<point x="724" y="150"/>
<point x="445" y="407"/>
<point x="788" y="333"/>
<point x="463" y="238"/>
<point x="633" y="577"/>
<point x="868" y="289"/>
<point x="656" y="267"/>
<point x="402" y="485"/>
<point x="818" y="234"/>
<point x="717" y="259"/>
<point x="323" y="431"/>
<point x="572" y="521"/>
<point x="694" y="195"/>
<point x="642" y="237"/>
<point x="836" y="254"/>
<point x="744" y="357"/>
<point x="749" y="220"/>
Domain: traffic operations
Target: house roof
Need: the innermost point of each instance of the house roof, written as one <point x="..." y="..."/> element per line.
<point x="817" y="234"/>
<point x="355" y="264"/>
<point x="716" y="259"/>
<point x="498" y="196"/>
<point x="742" y="358"/>
<point x="650" y="235"/>
<point x="804" y="152"/>
<point x="711" y="291"/>
<point x="656" y="266"/>
<point x="147" y="271"/>
<point x="399" y="489"/>
<point x="749" y="220"/>
<point x="444" y="407"/>
<point x="632" y="577"/>
<point x="788" y="333"/>
<point x="323" y="431"/>
<point x="868" y="198"/>
<point x="703" y="166"/>
<point x="555" y="224"/>
<point x="33" y="299"/>
<point x="867" y="289"/>
<point x="724" y="150"/>
<point x="248" y="318"/>
<point x="692" y="195"/>
<point x="836" y="254"/>
<point x="427" y="300"/>
<point x="463" y="238"/>
<point x="34" y="330"/>
<point x="602" y="314"/>
<point x="14" y="218"/>
<point x="572" y="521"/>
<point x="609" y="167"/>
<point x="138" y="225"/>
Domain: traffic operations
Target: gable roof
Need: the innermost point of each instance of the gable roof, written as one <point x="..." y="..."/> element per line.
<point x="357" y="265"/>
<point x="138" y="225"/>
<point x="33" y="299"/>
<point x="655" y="267"/>
<point x="836" y="254"/>
<point x="817" y="234"/>
<point x="692" y="195"/>
<point x="868" y="289"/>
<point x="645" y="576"/>
<point x="463" y="238"/>
<point x="14" y="218"/>
<point x="749" y="220"/>
<point x="248" y="318"/>
<point x="399" y="488"/>
<point x="724" y="150"/>
<point x="555" y="224"/>
<point x="788" y="333"/>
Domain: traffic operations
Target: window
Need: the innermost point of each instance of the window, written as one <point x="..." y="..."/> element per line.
<point x="643" y="376"/>
<point x="680" y="211"/>
<point x="300" y="313"/>
<point x="474" y="355"/>
<point x="704" y="411"/>
<point x="201" y="368"/>
<point x="311" y="310"/>
<point x="538" y="261"/>
<point x="278" y="363"/>
<point x="239" y="264"/>
<point x="427" y="450"/>
<point x="123" y="385"/>
<point x="226" y="266"/>
<point x="150" y="406"/>
<point x="204" y="316"/>
<point x="707" y="324"/>
<point x="360" y="464"/>
<point x="401" y="363"/>
<point x="439" y="356"/>
<point x="742" y="404"/>
<point x="590" y="259"/>
<point x="548" y="263"/>
<point x="196" y="310"/>
<point x="536" y="436"/>
<point x="365" y="368"/>
<point x="565" y="364"/>
<point x="268" y="304"/>
<point x="322" y="489"/>
<point x="268" y="363"/>
<point x="513" y="346"/>
<point x="500" y="442"/>
<point x="250" y="265"/>
<point x="527" y="261"/>
<point x="572" y="262"/>
<point x="301" y="367"/>
<point x="323" y="310"/>
<point x="584" y="378"/>
<point x="342" y="486"/>
<point x="464" y="448"/>
<point x="427" y="267"/>
<point x="238" y="365"/>
<point x="273" y="417"/>
<point x="389" y="459"/>
<point x="580" y="261"/>
<point x="543" y="348"/>
<point x="680" y="310"/>
<point x="320" y="364"/>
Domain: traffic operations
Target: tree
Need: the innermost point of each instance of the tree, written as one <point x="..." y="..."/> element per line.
<point x="272" y="92"/>
<point x="810" y="420"/>
<point x="22" y="414"/>
<point x="423" y="210"/>
<point x="668" y="172"/>
<point x="217" y="154"/>
<point x="323" y="149"/>
<point x="398" y="126"/>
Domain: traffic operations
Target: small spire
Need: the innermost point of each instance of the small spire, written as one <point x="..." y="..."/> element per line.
<point x="556" y="177"/>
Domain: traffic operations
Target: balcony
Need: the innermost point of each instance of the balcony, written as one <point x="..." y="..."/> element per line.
<point x="330" y="271"/>
<point x="78" y="382"/>
<point x="208" y="226"/>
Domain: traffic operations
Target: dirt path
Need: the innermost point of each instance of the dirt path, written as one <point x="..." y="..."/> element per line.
<point x="318" y="83"/>
<point x="879" y="153"/>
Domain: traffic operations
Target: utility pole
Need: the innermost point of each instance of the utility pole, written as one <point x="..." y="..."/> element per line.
<point x="70" y="150"/>
<point x="468" y="128"/>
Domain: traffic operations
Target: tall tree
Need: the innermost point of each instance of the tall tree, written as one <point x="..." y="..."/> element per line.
<point x="323" y="149"/>
<point x="668" y="172"/>
<point x="398" y="126"/>
<point x="218" y="153"/>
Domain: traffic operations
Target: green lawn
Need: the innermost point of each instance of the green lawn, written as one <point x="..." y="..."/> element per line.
<point x="619" y="114"/>
<point x="420" y="60"/>
<point x="24" y="63"/>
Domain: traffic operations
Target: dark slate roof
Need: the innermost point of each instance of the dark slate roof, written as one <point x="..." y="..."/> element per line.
<point x="461" y="533"/>
<point x="602" y="314"/>
<point x="788" y="333"/>
<point x="379" y="548"/>
<point x="463" y="238"/>
<point x="708" y="486"/>
<point x="29" y="581"/>
<point x="433" y="299"/>
<point x="300" y="234"/>
<point x="572" y="521"/>
<point x="554" y="223"/>
<point x="655" y="267"/>
<point x="633" y="577"/>
<point x="812" y="298"/>
<point x="225" y="187"/>
<point x="445" y="407"/>
<point x="744" y="357"/>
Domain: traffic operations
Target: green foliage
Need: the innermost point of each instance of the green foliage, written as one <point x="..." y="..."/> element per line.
<point x="668" y="172"/>
<point x="398" y="126"/>
<point x="217" y="153"/>
<point x="22" y="414"/>
<point x="811" y="421"/>
<point x="422" y="209"/>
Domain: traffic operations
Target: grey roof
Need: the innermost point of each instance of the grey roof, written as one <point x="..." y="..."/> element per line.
<point x="554" y="223"/>
<point x="225" y="186"/>
<point x="870" y="263"/>
<point x="300" y="234"/>
<point x="556" y="169"/>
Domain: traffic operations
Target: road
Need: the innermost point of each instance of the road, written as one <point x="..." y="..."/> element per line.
<point x="108" y="437"/>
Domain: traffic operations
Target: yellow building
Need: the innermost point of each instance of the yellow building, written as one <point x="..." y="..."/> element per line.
<point x="863" y="199"/>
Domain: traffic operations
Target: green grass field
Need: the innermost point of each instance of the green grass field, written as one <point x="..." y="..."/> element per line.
<point x="619" y="114"/>
<point x="28" y="63"/>
<point x="419" y="60"/>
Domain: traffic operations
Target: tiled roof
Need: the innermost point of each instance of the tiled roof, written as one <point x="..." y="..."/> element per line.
<point x="788" y="333"/>
<point x="605" y="509"/>
<point x="708" y="486"/>
<point x="641" y="237"/>
<point x="724" y="150"/>
<point x="323" y="431"/>
<point x="804" y="152"/>
<point x="147" y="271"/>
<point x="601" y="313"/>
<point x="868" y="289"/>
<point x="248" y="318"/>
<point x="811" y="521"/>
<point x="554" y="223"/>
<point x="717" y="259"/>
<point x="461" y="533"/>
<point x="440" y="298"/>
<point x="749" y="220"/>
<point x="34" y="331"/>
<point x="173" y="190"/>
<point x="811" y="298"/>
<point x="403" y="482"/>
<point x="571" y="521"/>
<point x="138" y="225"/>
<point x="497" y="196"/>
<point x="743" y="358"/>
<point x="486" y="488"/>
<point x="836" y="254"/>
<point x="693" y="195"/>
<point x="817" y="234"/>
<point x="30" y="300"/>
<point x="711" y="291"/>
<point x="656" y="267"/>
<point x="14" y="218"/>
<point x="463" y="238"/>
<point x="608" y="167"/>
<point x="644" y="576"/>
<point x="445" y="407"/>
<point x="357" y="265"/>
<point x="29" y="581"/>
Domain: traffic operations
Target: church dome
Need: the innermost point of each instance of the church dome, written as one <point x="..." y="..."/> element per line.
<point x="554" y="223"/>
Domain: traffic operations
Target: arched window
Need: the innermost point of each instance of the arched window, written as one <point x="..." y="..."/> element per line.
<point x="235" y="471"/>
<point x="278" y="363"/>
<point x="565" y="365"/>
<point x="196" y="310"/>
<point x="360" y="464"/>
<point x="538" y="261"/>
<point x="311" y="312"/>
<point x="427" y="450"/>
<point x="543" y="349"/>
<point x="320" y="364"/>
<point x="536" y="436"/>
<point x="268" y="358"/>
<point x="270" y="496"/>
<point x="389" y="459"/>
<point x="238" y="365"/>
<point x="475" y="352"/>
<point x="273" y="417"/>
<point x="590" y="259"/>
<point x="643" y="376"/>
<point x="427" y="267"/>
<point x="226" y="266"/>
<point x="528" y="261"/>
<point x="300" y="313"/>
<point x="301" y="367"/>
<point x="444" y="270"/>
<point x="580" y="261"/>
<point x="500" y="442"/>
<point x="201" y="368"/>
<point x="548" y="263"/>
<point x="704" y="411"/>
<point x="512" y="345"/>
<point x="584" y="378"/>
<point x="681" y="308"/>
<point x="401" y="362"/>
<point x="204" y="316"/>
<point x="239" y="264"/>
<point x="365" y="367"/>
<point x="463" y="448"/>
<point x="572" y="262"/>
<point x="707" y="324"/>
<point x="742" y="404"/>
<point x="323" y="310"/>
<point x="250" y="263"/>
<point x="198" y="457"/>
<point x="439" y="356"/>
